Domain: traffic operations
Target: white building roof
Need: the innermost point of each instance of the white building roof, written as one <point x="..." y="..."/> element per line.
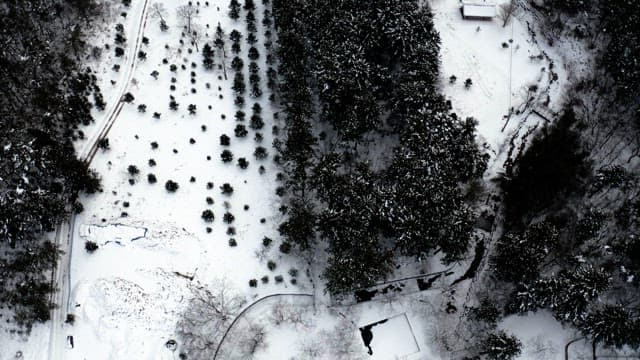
<point x="479" y="8"/>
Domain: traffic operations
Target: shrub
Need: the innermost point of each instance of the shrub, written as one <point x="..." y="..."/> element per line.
<point x="103" y="144"/>
<point x="142" y="108"/>
<point x="253" y="283"/>
<point x="209" y="185"/>
<point x="152" y="179"/>
<point x="256" y="122"/>
<point x="500" y="345"/>
<point x="171" y="186"/>
<point x="119" y="51"/>
<point x="243" y="163"/>
<point x="90" y="246"/>
<point x="227" y="189"/>
<point x="265" y="279"/>
<point x="228" y="218"/>
<point x="240" y="131"/>
<point x="225" y="140"/>
<point x="285" y="247"/>
<point x="468" y="83"/>
<point x="293" y="272"/>
<point x="271" y="265"/>
<point x="233" y="242"/>
<point x="240" y="115"/>
<point x="266" y="241"/>
<point x="207" y="216"/>
<point x="452" y="79"/>
<point x="154" y="145"/>
<point x="260" y="153"/>
<point x="192" y="109"/>
<point x="237" y="64"/>
<point x="152" y="162"/>
<point x="226" y="156"/>
<point x="133" y="170"/>
<point x="128" y="97"/>
<point x="253" y="54"/>
<point x="209" y="200"/>
<point x="279" y="279"/>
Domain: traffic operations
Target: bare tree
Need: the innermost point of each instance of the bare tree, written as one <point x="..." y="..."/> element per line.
<point x="285" y="313"/>
<point x="310" y="348"/>
<point x="506" y="11"/>
<point x="196" y="35"/>
<point x="207" y="316"/>
<point x="188" y="14"/>
<point x="253" y="340"/>
<point x="158" y="11"/>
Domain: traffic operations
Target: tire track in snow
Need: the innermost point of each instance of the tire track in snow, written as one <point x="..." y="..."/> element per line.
<point x="62" y="272"/>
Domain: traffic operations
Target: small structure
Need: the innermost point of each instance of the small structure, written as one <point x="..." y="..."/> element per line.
<point x="478" y="10"/>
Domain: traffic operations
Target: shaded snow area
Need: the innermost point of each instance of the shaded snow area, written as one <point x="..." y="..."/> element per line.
<point x="389" y="338"/>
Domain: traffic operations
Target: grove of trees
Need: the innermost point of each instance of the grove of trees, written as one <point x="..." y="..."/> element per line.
<point x="43" y="101"/>
<point x="376" y="161"/>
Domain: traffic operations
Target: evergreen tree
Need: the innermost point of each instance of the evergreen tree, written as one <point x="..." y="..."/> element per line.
<point x="501" y="346"/>
<point x="207" y="57"/>
<point x="234" y="9"/>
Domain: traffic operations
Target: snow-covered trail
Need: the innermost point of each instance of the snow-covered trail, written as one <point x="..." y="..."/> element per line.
<point x="64" y="233"/>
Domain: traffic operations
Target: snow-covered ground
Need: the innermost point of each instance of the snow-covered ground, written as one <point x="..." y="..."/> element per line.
<point x="128" y="295"/>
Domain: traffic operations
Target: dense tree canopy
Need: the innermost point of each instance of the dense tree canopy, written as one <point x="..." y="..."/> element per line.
<point x="43" y="97"/>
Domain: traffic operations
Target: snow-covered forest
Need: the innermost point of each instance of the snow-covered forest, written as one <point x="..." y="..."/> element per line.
<point x="327" y="179"/>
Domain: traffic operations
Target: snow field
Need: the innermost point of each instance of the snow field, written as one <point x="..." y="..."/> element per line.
<point x="128" y="297"/>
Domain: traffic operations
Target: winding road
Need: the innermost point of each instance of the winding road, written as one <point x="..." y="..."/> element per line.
<point x="61" y="276"/>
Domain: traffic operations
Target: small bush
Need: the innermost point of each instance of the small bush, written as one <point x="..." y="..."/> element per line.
<point x="133" y="170"/>
<point x="207" y="216"/>
<point x="265" y="279"/>
<point x="228" y="218"/>
<point x="285" y="247"/>
<point x="225" y="140"/>
<point x="260" y="153"/>
<point x="253" y="283"/>
<point x="226" y="156"/>
<point x="151" y="178"/>
<point x="243" y="163"/>
<point x="240" y="131"/>
<point x="279" y="279"/>
<point x="171" y="186"/>
<point x="266" y="241"/>
<point x="271" y="265"/>
<point x="227" y="189"/>
<point x="233" y="242"/>
<point x="90" y="246"/>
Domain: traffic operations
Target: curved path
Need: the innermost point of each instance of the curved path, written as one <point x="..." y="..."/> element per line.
<point x="61" y="277"/>
<point x="247" y="308"/>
